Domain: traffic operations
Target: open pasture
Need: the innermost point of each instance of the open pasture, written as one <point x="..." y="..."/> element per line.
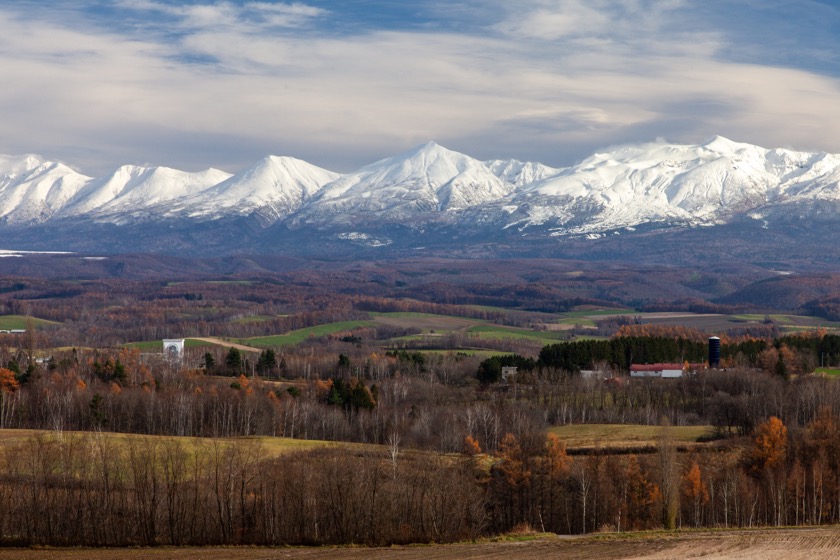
<point x="9" y="322"/>
<point x="157" y="345"/>
<point x="503" y="333"/>
<point x="709" y="322"/>
<point x="550" y="331"/>
<point x="426" y="322"/>
<point x="300" y="335"/>
<point x="792" y="323"/>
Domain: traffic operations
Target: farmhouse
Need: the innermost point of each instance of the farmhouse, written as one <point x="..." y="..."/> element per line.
<point x="667" y="371"/>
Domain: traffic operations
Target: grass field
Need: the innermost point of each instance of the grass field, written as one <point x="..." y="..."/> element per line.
<point x="425" y="321"/>
<point x="274" y="446"/>
<point x="623" y="435"/>
<point x="573" y="435"/>
<point x="434" y="324"/>
<point x="298" y="336"/>
<point x="501" y="332"/>
<point x="9" y="322"/>
<point x="157" y="345"/>
<point x="791" y="322"/>
<point x="832" y="372"/>
<point x="255" y="319"/>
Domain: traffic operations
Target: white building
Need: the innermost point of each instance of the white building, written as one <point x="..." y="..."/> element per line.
<point x="173" y="349"/>
<point x="656" y="370"/>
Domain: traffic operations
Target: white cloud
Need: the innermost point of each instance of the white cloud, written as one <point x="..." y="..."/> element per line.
<point x="211" y="16"/>
<point x="579" y="75"/>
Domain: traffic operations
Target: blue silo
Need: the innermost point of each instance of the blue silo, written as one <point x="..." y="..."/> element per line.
<point x="714" y="352"/>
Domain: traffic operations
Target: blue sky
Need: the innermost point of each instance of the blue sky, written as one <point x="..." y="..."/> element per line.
<point x="340" y="84"/>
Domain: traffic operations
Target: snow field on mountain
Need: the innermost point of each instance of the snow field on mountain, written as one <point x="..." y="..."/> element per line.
<point x="624" y="187"/>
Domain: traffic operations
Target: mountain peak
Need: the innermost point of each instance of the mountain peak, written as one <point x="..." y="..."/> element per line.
<point x="15" y="165"/>
<point x="429" y="149"/>
<point x="722" y="144"/>
<point x="429" y="146"/>
<point x="627" y="186"/>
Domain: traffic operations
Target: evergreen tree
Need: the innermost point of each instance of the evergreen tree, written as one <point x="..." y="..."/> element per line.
<point x="267" y="362"/>
<point x="233" y="361"/>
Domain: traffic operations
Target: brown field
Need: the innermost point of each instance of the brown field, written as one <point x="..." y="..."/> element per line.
<point x="748" y="544"/>
<point x="273" y="446"/>
<point x="624" y="435"/>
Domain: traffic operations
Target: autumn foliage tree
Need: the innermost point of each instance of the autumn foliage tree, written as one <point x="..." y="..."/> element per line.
<point x="8" y="382"/>
<point x="766" y="462"/>
<point x="696" y="490"/>
<point x="769" y="445"/>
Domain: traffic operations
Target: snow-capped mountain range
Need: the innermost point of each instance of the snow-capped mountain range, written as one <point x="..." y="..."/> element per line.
<point x="430" y="187"/>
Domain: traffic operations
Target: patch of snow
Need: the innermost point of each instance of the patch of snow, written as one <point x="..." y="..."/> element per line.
<point x="365" y="239"/>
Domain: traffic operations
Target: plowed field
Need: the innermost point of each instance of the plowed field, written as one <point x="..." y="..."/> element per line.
<point x="761" y="544"/>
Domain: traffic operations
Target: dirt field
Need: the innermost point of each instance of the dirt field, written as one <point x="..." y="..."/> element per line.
<point x="760" y="544"/>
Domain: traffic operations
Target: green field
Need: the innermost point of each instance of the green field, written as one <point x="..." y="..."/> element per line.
<point x="407" y="314"/>
<point x="426" y="322"/>
<point x="431" y="324"/>
<point x="790" y="322"/>
<point x="832" y="372"/>
<point x="255" y="319"/>
<point x="9" y="322"/>
<point x="147" y="345"/>
<point x="300" y="335"/>
<point x="507" y="333"/>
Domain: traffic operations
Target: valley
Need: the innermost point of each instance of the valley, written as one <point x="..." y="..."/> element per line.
<point x="334" y="402"/>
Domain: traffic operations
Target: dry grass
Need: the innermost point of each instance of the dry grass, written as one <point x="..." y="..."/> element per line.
<point x="274" y="446"/>
<point x="624" y="435"/>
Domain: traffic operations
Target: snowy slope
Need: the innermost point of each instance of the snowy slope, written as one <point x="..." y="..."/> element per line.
<point x="520" y="173"/>
<point x="427" y="180"/>
<point x="131" y="190"/>
<point x="651" y="185"/>
<point x="32" y="190"/>
<point x="275" y="187"/>
<point x="680" y="184"/>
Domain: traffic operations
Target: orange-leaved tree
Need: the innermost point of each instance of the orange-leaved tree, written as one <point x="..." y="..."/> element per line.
<point x="766" y="462"/>
<point x="770" y="445"/>
<point x="8" y="382"/>
<point x="696" y="490"/>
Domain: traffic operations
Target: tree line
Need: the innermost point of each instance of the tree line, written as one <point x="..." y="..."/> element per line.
<point x="94" y="490"/>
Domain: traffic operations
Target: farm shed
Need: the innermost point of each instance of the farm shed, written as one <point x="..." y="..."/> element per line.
<point x="668" y="371"/>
